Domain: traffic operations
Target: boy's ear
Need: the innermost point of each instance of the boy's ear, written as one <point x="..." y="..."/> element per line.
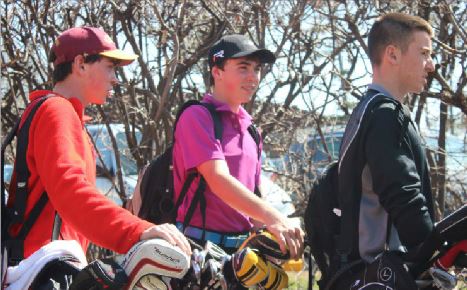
<point x="215" y="72"/>
<point x="78" y="64"/>
<point x="392" y="54"/>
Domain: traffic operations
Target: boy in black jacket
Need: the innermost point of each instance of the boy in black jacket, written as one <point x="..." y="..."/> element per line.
<point x="396" y="208"/>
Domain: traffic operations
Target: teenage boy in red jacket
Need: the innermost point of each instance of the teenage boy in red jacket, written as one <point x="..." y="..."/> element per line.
<point x="61" y="158"/>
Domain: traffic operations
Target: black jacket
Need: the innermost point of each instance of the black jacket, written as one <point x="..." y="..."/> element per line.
<point x="384" y="166"/>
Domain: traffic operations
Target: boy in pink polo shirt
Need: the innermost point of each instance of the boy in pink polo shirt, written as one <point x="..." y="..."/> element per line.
<point x="231" y="166"/>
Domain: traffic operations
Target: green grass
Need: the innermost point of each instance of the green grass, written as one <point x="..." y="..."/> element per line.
<point x="299" y="280"/>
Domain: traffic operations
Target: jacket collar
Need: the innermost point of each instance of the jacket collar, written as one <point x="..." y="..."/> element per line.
<point x="75" y="102"/>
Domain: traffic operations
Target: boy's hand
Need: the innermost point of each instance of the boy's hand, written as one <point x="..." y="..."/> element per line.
<point x="170" y="233"/>
<point x="288" y="236"/>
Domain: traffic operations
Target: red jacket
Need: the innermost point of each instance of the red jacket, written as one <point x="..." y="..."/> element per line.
<point x="61" y="161"/>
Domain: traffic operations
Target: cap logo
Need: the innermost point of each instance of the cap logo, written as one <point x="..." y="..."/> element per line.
<point x="219" y="54"/>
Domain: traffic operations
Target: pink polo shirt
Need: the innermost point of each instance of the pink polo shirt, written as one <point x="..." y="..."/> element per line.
<point x="195" y="144"/>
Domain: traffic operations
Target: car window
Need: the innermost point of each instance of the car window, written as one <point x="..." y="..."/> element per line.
<point x="126" y="157"/>
<point x="316" y="148"/>
<point x="8" y="171"/>
<point x="104" y="146"/>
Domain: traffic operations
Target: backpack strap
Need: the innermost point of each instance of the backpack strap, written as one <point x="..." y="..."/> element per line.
<point x="199" y="196"/>
<point x="257" y="137"/>
<point x="218" y="129"/>
<point x="15" y="245"/>
<point x="21" y="167"/>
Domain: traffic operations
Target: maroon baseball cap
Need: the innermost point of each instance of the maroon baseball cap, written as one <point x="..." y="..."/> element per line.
<point x="87" y="40"/>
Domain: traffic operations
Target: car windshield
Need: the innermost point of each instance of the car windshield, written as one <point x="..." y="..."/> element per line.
<point x="316" y="149"/>
<point x="126" y="158"/>
<point x="104" y="146"/>
<point x="333" y="144"/>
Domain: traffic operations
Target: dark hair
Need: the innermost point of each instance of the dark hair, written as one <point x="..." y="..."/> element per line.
<point x="394" y="28"/>
<point x="62" y="70"/>
<point x="219" y="65"/>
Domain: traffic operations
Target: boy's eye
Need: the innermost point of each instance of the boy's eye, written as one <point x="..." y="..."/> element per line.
<point x="427" y="53"/>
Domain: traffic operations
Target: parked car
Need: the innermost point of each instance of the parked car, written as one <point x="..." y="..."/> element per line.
<point x="277" y="196"/>
<point x="106" y="168"/>
<point x="106" y="164"/>
<point x="273" y="193"/>
<point x="308" y="157"/>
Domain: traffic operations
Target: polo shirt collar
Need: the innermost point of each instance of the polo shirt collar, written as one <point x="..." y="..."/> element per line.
<point x="220" y="106"/>
<point x="380" y="89"/>
<point x="75" y="102"/>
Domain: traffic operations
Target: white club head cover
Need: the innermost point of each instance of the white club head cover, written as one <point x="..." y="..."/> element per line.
<point x="151" y="282"/>
<point x="154" y="257"/>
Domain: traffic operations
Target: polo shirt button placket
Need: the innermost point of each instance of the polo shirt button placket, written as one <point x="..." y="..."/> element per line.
<point x="234" y="122"/>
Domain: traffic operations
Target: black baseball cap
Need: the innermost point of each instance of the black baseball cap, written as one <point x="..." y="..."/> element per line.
<point x="236" y="45"/>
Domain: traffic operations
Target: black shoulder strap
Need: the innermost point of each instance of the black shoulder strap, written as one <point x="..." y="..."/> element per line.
<point x="199" y="196"/>
<point x="21" y="167"/>
<point x="257" y="137"/>
<point x="218" y="129"/>
<point x="15" y="245"/>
